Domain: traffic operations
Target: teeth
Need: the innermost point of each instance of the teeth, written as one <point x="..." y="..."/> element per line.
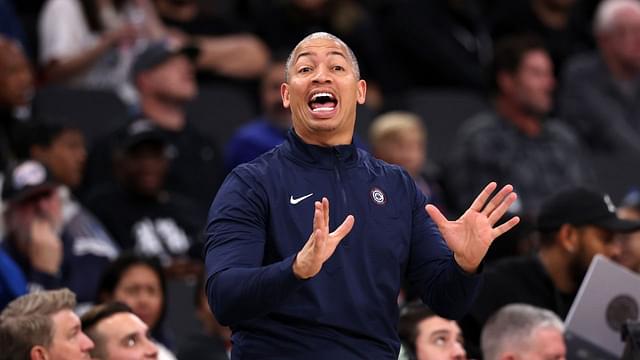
<point x="321" y="109"/>
<point x="315" y="96"/>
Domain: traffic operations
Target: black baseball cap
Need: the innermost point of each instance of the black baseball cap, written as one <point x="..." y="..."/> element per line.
<point x="141" y="131"/>
<point x="25" y="180"/>
<point x="582" y="206"/>
<point x="157" y="53"/>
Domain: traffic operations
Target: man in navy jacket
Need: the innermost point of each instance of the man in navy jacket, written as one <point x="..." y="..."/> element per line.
<point x="291" y="288"/>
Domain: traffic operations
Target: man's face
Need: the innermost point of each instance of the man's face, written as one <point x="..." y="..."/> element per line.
<point x="173" y="80"/>
<point x="44" y="205"/>
<point x="270" y="94"/>
<point x="69" y="342"/>
<point x="65" y="157"/>
<point x="322" y="92"/>
<point x="546" y="344"/>
<point x="140" y="289"/>
<point x="145" y="168"/>
<point x="622" y="41"/>
<point x="125" y="337"/>
<point x="531" y="86"/>
<point x="16" y="77"/>
<point x="439" y="339"/>
<point x="593" y="240"/>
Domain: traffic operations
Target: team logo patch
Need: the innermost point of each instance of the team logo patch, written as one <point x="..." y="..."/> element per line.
<point x="378" y="196"/>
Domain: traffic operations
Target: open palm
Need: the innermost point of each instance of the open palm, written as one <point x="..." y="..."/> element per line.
<point x="470" y="236"/>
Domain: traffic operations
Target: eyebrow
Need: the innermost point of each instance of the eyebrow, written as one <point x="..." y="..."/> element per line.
<point x="439" y="332"/>
<point x="308" y="53"/>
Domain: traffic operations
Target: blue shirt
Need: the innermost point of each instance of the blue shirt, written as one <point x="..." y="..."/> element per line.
<point x="262" y="216"/>
<point x="251" y="141"/>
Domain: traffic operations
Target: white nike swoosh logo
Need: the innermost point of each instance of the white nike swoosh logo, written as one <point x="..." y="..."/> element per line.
<point x="294" y="201"/>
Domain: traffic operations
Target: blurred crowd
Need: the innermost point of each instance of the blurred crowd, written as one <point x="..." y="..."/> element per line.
<point x="119" y="120"/>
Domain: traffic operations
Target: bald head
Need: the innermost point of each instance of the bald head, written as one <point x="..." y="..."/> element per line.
<point x="326" y="36"/>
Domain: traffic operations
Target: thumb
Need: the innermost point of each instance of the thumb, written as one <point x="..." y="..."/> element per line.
<point x="436" y="215"/>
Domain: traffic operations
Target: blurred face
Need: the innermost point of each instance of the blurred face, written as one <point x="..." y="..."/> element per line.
<point x="531" y="86"/>
<point x="322" y="92"/>
<point x="622" y="40"/>
<point x="69" y="342"/>
<point x="173" y="80"/>
<point x="439" y="339"/>
<point x="125" y="337"/>
<point x="140" y="289"/>
<point x="593" y="240"/>
<point x="145" y="168"/>
<point x="630" y="253"/>
<point x="270" y="94"/>
<point x="546" y="344"/>
<point x="65" y="158"/>
<point x="44" y="205"/>
<point x="558" y="5"/>
<point x="407" y="150"/>
<point x="16" y="78"/>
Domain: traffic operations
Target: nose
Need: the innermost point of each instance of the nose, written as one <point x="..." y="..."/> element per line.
<point x="150" y="349"/>
<point x="614" y="249"/>
<point x="321" y="75"/>
<point x="86" y="343"/>
<point x="458" y="352"/>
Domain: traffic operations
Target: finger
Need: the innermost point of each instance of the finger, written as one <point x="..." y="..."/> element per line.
<point x="503" y="228"/>
<point x="479" y="202"/>
<point x="318" y="217"/>
<point x="325" y="209"/>
<point x="319" y="243"/>
<point x="497" y="199"/>
<point x="436" y="216"/>
<point x="343" y="230"/>
<point x="502" y="208"/>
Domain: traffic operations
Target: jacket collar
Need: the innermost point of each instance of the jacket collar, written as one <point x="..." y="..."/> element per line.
<point x="326" y="157"/>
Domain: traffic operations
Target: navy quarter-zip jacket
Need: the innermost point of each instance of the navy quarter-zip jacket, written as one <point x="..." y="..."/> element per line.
<point x="263" y="215"/>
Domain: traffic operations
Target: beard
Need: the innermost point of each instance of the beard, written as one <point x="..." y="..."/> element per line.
<point x="578" y="267"/>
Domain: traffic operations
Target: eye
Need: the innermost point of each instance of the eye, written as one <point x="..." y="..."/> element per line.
<point x="130" y="342"/>
<point x="440" y="341"/>
<point x="338" y="68"/>
<point x="304" y="69"/>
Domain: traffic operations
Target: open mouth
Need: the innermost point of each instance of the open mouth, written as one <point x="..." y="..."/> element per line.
<point x="322" y="102"/>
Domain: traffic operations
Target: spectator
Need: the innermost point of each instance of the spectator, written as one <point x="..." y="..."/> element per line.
<point x="427" y="336"/>
<point x="268" y="130"/>
<point x="400" y="138"/>
<point x="630" y="210"/>
<point x="574" y="225"/>
<point x="165" y="81"/>
<point x="601" y="92"/>
<point x="212" y="344"/>
<point x="551" y="20"/>
<point x="16" y="89"/>
<point x="117" y="333"/>
<point x="227" y="50"/>
<point x="62" y="150"/>
<point x="516" y="142"/>
<point x="140" y="283"/>
<point x="143" y="216"/>
<point x="91" y="43"/>
<point x="49" y="255"/>
<point x="43" y="325"/>
<point x="520" y="331"/>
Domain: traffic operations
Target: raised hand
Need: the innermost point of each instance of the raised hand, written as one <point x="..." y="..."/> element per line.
<point x="321" y="243"/>
<point x="470" y="236"/>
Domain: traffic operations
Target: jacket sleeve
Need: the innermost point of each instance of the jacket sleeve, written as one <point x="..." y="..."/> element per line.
<point x="442" y="284"/>
<point x="239" y="286"/>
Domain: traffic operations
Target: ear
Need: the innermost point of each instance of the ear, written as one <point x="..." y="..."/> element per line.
<point x="284" y="93"/>
<point x="362" y="92"/>
<point x="38" y="352"/>
<point x="567" y="237"/>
